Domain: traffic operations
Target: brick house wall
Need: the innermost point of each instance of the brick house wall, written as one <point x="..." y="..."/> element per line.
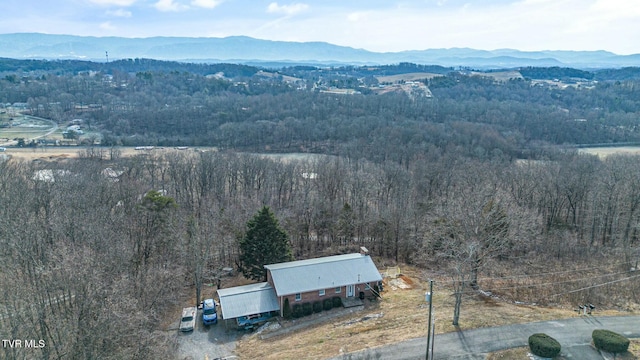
<point x="313" y="296"/>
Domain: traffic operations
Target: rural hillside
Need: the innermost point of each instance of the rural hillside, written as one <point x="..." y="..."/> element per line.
<point x="128" y="189"/>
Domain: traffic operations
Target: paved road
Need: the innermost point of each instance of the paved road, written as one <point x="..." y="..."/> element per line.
<point x="573" y="334"/>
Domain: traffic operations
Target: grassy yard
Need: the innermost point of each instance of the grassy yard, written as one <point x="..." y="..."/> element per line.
<point x="400" y="315"/>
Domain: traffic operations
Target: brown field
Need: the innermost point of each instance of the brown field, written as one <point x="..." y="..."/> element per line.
<point x="406" y="77"/>
<point x="500" y="75"/>
<point x="603" y="152"/>
<point x="51" y="153"/>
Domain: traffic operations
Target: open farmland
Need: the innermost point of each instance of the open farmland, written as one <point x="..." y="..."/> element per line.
<point x="500" y="75"/>
<point x="26" y="127"/>
<point x="70" y="152"/>
<point x="406" y="77"/>
<point x="603" y="152"/>
<point x="52" y="152"/>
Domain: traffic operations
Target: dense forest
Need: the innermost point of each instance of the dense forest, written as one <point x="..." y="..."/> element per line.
<point x="480" y="177"/>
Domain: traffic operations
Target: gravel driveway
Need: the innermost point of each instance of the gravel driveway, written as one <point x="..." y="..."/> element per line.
<point x="208" y="342"/>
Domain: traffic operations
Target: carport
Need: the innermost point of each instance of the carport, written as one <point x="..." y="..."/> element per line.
<point x="247" y="302"/>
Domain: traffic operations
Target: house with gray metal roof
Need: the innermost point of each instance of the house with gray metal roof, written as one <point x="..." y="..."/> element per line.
<point x="349" y="276"/>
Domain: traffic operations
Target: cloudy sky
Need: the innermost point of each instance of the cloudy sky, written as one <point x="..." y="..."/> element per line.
<point x="375" y="25"/>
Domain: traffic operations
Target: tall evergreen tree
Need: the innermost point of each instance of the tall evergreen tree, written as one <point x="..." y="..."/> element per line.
<point x="263" y="243"/>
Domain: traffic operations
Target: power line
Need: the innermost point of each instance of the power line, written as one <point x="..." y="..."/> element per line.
<point x="532" y="275"/>
<point x="597" y="285"/>
<point x="540" y="274"/>
<point x="543" y="284"/>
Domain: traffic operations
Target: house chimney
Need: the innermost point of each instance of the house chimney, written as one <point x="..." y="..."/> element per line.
<point x="364" y="251"/>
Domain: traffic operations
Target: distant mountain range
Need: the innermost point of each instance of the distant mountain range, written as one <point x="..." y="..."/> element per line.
<point x="242" y="49"/>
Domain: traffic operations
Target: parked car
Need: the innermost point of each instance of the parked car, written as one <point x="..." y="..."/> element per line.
<point x="188" y="319"/>
<point x="250" y="322"/>
<point x="209" y="313"/>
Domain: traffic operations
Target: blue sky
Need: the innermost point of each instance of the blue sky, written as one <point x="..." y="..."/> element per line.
<point x="375" y="25"/>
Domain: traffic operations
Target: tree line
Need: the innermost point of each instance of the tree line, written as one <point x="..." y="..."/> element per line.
<point x="146" y="102"/>
<point x="96" y="258"/>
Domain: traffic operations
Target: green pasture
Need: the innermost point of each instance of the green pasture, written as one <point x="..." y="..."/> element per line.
<point x="24" y="126"/>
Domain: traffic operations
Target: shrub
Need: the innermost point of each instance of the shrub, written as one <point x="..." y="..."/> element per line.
<point x="327" y="304"/>
<point x="317" y="306"/>
<point x="544" y="345"/>
<point x="610" y="341"/>
<point x="337" y="302"/>
<point x="286" y="311"/>
<point x="296" y="311"/>
<point x="307" y="309"/>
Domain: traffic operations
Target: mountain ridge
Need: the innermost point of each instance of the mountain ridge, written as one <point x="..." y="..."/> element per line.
<point x="247" y="49"/>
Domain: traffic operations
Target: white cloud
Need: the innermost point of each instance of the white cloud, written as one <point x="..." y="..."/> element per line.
<point x="208" y="4"/>
<point x="119" y="13"/>
<point x="169" y="5"/>
<point x="379" y="25"/>
<point x="107" y="26"/>
<point x="357" y="16"/>
<point x="292" y="9"/>
<point x="114" y="2"/>
<point x="615" y="9"/>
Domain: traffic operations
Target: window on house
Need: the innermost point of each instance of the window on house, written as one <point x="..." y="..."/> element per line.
<point x="298" y="297"/>
<point x="367" y="286"/>
<point x="338" y="290"/>
<point x="321" y="292"/>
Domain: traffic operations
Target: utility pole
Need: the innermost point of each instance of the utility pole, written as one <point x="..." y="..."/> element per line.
<point x="433" y="336"/>
<point x="429" y="299"/>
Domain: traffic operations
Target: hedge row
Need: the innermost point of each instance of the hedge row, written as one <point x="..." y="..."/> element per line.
<point x="544" y="345"/>
<point x="306" y="309"/>
<point x="609" y="341"/>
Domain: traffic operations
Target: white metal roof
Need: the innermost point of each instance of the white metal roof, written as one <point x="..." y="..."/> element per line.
<point x="322" y="273"/>
<point x="247" y="300"/>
